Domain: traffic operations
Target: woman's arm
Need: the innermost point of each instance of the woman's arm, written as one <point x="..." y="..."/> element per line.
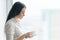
<point x="26" y="35"/>
<point x="20" y="38"/>
<point x="9" y="30"/>
<point x="10" y="33"/>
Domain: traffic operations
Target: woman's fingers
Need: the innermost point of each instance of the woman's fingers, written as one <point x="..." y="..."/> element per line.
<point x="28" y="35"/>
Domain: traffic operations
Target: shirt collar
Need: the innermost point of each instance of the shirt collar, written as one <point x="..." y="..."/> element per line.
<point x="16" y="20"/>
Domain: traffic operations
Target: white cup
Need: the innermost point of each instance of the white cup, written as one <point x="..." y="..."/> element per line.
<point x="33" y="34"/>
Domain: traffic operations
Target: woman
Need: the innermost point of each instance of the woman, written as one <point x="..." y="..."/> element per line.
<point x="12" y="26"/>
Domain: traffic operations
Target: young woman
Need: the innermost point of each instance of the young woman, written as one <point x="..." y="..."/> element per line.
<point x="12" y="26"/>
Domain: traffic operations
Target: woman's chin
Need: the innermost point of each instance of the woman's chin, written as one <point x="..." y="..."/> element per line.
<point x="21" y="17"/>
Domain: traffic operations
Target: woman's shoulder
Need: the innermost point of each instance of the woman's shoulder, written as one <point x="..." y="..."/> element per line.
<point x="9" y="25"/>
<point x="9" y="22"/>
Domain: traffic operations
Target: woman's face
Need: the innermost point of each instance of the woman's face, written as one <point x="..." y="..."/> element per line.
<point x="22" y="13"/>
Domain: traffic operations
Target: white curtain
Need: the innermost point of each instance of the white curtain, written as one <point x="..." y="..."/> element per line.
<point x="51" y="24"/>
<point x="5" y="6"/>
<point x="2" y="18"/>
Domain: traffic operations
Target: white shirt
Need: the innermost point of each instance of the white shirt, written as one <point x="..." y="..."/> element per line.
<point x="13" y="29"/>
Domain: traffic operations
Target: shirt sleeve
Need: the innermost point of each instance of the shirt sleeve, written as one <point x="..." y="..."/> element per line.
<point x="9" y="29"/>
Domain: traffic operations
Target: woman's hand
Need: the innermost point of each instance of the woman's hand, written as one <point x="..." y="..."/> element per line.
<point x="28" y="34"/>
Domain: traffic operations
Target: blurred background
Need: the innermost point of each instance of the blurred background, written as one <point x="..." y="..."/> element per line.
<point x="41" y="16"/>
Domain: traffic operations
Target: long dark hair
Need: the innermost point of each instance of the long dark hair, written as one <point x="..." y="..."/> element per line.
<point x="15" y="10"/>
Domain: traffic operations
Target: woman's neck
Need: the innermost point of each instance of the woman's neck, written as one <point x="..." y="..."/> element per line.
<point x="16" y="18"/>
